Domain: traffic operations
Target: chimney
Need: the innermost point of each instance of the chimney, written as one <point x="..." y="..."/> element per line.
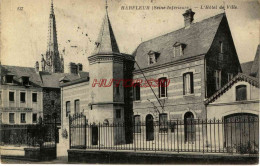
<point x="37" y="66"/>
<point x="73" y="68"/>
<point x="188" y="18"/>
<point x="80" y="67"/>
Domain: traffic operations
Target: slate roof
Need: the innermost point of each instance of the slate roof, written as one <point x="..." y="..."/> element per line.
<point x="246" y="67"/>
<point x="239" y="77"/>
<point x="41" y="79"/>
<point x="106" y="42"/>
<point x="197" y="38"/>
<point x="18" y="72"/>
<point x="53" y="80"/>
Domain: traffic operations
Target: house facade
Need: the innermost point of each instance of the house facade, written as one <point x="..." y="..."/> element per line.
<point x="21" y="95"/>
<point x="196" y="60"/>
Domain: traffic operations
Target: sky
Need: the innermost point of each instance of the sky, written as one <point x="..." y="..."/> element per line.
<point x="24" y="32"/>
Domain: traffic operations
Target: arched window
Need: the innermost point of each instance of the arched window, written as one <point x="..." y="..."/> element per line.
<point x="241" y="93"/>
<point x="189" y="127"/>
<point x="137" y="123"/>
<point x="162" y="87"/>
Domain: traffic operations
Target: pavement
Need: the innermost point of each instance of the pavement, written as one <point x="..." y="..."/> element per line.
<point x="59" y="160"/>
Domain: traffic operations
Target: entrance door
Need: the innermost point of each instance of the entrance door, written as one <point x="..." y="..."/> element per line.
<point x="189" y="127"/>
<point x="94" y="135"/>
<point x="149" y="128"/>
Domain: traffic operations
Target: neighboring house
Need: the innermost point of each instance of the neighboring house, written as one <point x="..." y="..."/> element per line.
<point x="237" y="101"/>
<point x="251" y="68"/>
<point x="27" y="94"/>
<point x="21" y="95"/>
<point x="197" y="60"/>
<point x="238" y="96"/>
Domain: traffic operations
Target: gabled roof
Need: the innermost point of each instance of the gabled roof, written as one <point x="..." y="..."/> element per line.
<point x="197" y="38"/>
<point x="106" y="42"/>
<point x="246" y="67"/>
<point x="19" y="72"/>
<point x="239" y="77"/>
<point x="52" y="80"/>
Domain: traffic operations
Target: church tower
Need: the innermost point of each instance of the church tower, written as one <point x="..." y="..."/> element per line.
<point x="108" y="100"/>
<point x="52" y="62"/>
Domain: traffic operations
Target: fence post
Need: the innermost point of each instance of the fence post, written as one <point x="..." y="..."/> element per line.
<point x="85" y="132"/>
<point x="69" y="131"/>
<point x="99" y="136"/>
<point x="177" y="135"/>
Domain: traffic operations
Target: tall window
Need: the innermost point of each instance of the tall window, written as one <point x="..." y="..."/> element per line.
<point x="34" y="118"/>
<point x="67" y="108"/>
<point x="162" y="87"/>
<point x="230" y="76"/>
<point x="137" y="123"/>
<point x="34" y="97"/>
<point x="11" y="117"/>
<point x="217" y="76"/>
<point x="188" y="83"/>
<point x="23" y="118"/>
<point x="76" y="106"/>
<point x="11" y="96"/>
<point x="137" y="91"/>
<point x="221" y="47"/>
<point x="22" y="97"/>
<point x="241" y="93"/>
<point x="163" y="123"/>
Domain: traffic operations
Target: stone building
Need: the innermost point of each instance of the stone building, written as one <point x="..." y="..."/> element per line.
<point x="98" y="97"/>
<point x="196" y="60"/>
<point x="21" y="95"/>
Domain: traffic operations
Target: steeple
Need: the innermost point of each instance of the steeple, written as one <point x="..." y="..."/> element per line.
<point x="53" y="60"/>
<point x="106" y="42"/>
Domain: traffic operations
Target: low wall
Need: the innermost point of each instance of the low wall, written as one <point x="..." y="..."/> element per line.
<point x="130" y="157"/>
<point x="41" y="154"/>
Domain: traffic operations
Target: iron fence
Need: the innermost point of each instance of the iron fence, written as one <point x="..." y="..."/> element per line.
<point x="33" y="135"/>
<point x="239" y="134"/>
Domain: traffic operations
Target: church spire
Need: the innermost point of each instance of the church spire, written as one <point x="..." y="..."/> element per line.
<point x="53" y="61"/>
<point x="106" y="42"/>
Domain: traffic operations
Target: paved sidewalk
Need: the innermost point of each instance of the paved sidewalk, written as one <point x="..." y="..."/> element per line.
<point x="59" y="160"/>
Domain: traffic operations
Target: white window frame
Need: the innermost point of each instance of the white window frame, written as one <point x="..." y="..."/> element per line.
<point x="165" y="88"/>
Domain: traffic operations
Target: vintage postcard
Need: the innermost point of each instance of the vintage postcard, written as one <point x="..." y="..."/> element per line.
<point x="129" y="81"/>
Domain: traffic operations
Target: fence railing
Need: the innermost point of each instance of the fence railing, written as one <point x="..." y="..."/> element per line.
<point x="231" y="135"/>
<point x="38" y="135"/>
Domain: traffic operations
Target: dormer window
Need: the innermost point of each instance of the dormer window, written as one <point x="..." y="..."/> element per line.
<point x="153" y="56"/>
<point x="25" y="80"/>
<point x="9" y="79"/>
<point x="178" y="49"/>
